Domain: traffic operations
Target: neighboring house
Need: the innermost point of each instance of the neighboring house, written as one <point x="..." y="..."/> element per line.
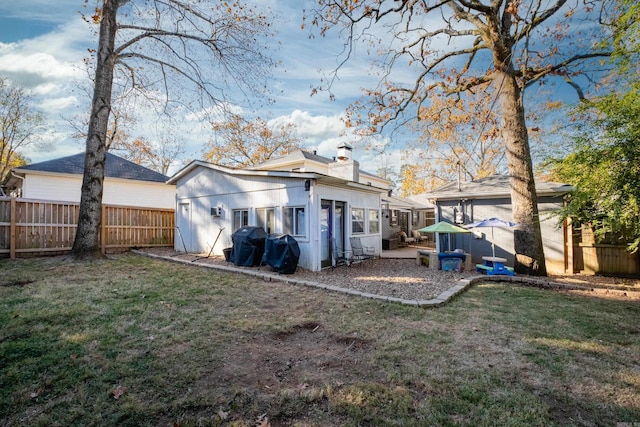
<point x="125" y="183"/>
<point x="404" y="214"/>
<point x="466" y="202"/>
<point x="312" y="198"/>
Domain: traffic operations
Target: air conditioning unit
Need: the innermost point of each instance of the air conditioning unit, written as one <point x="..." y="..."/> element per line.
<point x="216" y="212"/>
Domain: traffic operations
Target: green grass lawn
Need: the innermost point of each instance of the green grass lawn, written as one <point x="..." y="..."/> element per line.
<point x="133" y="341"/>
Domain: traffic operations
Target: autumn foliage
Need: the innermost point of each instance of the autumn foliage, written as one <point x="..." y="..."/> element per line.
<point x="238" y="142"/>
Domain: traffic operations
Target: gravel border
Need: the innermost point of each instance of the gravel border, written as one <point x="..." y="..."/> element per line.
<point x="394" y="280"/>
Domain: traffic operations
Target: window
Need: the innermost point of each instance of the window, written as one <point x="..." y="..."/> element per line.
<point x="294" y="221"/>
<point x="374" y="221"/>
<point x="414" y="218"/>
<point x="357" y="220"/>
<point x="394" y="217"/>
<point x="240" y="218"/>
<point x="265" y="219"/>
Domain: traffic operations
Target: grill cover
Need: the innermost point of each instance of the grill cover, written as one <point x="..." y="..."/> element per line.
<point x="248" y="246"/>
<point x="282" y="253"/>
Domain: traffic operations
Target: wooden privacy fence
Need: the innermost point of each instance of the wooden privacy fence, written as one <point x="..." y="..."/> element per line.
<point x="608" y="259"/>
<point x="37" y="227"/>
<point x="593" y="258"/>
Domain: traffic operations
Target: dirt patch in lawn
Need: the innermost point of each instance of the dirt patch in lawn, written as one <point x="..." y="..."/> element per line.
<point x="302" y="356"/>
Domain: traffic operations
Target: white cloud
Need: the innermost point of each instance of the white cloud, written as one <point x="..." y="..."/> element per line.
<point x="54" y="55"/>
<point x="42" y="64"/>
<point x="313" y="126"/>
<point x="58" y="104"/>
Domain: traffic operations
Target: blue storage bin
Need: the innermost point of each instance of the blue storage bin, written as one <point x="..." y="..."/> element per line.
<point x="451" y="264"/>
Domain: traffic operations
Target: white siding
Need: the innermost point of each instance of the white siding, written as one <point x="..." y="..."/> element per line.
<point x="66" y="188"/>
<point x="204" y="188"/>
<point x="139" y="193"/>
<point x="208" y="188"/>
<point x="51" y="187"/>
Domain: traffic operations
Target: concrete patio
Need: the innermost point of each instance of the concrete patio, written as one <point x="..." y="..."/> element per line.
<point x="401" y="253"/>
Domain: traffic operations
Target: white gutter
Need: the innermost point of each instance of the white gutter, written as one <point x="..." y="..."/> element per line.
<point x="13" y="174"/>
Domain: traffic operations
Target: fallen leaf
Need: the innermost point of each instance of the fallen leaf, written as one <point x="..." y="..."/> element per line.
<point x="117" y="392"/>
<point x="263" y="421"/>
<point x="223" y="415"/>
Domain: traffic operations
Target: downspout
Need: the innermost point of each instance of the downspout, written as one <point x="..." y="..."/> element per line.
<point x="13" y="174"/>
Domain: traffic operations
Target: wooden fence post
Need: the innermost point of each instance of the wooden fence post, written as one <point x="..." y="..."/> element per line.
<point x="12" y="228"/>
<point x="103" y="231"/>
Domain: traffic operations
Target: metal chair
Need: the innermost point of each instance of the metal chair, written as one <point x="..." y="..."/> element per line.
<point x="359" y="252"/>
<point x="339" y="255"/>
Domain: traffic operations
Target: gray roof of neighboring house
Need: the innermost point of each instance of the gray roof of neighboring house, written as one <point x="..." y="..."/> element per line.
<point x="405" y="203"/>
<point x="115" y="167"/>
<point x="495" y="186"/>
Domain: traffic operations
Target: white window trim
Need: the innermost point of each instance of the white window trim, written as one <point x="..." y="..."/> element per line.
<point x="364" y="221"/>
<point x="295" y="226"/>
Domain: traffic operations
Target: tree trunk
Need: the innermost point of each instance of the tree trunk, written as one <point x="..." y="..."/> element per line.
<point x="87" y="240"/>
<point x="524" y="200"/>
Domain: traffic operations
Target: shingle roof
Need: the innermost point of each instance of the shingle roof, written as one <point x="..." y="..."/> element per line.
<point x="490" y="187"/>
<point x="115" y="167"/>
<point x="406" y="203"/>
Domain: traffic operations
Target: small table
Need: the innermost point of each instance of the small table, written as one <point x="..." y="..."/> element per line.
<point x="494" y="265"/>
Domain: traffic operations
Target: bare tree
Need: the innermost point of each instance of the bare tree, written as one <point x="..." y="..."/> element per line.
<point x="158" y="153"/>
<point x="458" y="136"/>
<point x="177" y="48"/>
<point x="239" y="142"/>
<point x="159" y="156"/>
<point x="20" y="124"/>
<point x="458" y="46"/>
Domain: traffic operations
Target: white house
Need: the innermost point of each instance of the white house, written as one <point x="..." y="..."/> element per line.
<point x="125" y="183"/>
<point x="312" y="198"/>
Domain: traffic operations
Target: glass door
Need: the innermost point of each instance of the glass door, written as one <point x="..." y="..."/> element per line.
<point x="338" y="226"/>
<point x="331" y="227"/>
<point x="325" y="233"/>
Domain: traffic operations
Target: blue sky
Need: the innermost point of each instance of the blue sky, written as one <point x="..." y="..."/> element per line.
<point x="42" y="48"/>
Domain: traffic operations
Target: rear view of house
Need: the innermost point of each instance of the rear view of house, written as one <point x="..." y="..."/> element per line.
<point x="320" y="202"/>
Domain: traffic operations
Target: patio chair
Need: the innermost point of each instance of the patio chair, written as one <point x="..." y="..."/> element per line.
<point x="404" y="239"/>
<point x="359" y="252"/>
<point x="339" y="255"/>
<point x="416" y="235"/>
